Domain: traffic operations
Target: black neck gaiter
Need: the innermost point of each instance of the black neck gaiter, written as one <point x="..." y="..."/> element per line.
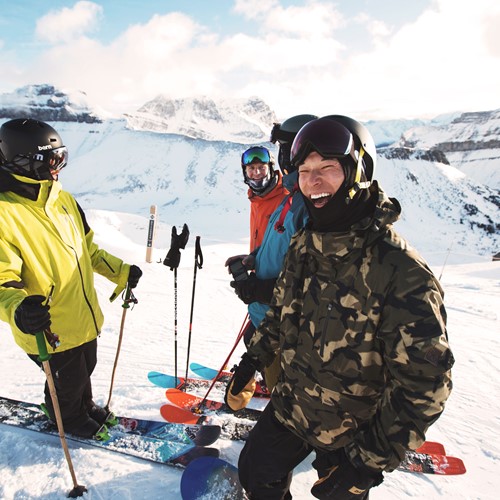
<point x="340" y="213"/>
<point x="10" y="183"/>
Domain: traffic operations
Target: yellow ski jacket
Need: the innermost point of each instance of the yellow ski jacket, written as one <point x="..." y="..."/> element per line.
<point x="47" y="248"/>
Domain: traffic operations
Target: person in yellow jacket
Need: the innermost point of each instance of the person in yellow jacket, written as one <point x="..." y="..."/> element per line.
<point x="47" y="264"/>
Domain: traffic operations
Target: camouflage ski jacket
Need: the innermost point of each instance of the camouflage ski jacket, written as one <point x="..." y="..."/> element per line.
<point x="360" y="325"/>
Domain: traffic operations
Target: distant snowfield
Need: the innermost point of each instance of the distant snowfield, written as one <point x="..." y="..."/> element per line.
<point x="33" y="466"/>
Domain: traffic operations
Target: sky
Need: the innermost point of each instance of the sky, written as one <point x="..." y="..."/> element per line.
<point x="370" y="59"/>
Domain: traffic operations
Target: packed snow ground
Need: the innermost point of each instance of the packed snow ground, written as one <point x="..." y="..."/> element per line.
<point x="33" y="466"/>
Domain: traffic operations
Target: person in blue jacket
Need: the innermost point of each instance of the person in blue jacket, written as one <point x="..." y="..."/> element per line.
<point x="266" y="261"/>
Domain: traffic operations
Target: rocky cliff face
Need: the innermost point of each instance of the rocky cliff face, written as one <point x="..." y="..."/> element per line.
<point x="46" y="103"/>
<point x="470" y="141"/>
<point x="407" y="153"/>
<point x="245" y="120"/>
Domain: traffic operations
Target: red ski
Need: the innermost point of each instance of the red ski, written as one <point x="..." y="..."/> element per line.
<point x="425" y="463"/>
<point x="432" y="448"/>
<point x="200" y="405"/>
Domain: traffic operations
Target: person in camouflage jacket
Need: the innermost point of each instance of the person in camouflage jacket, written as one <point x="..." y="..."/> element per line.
<point x="359" y="322"/>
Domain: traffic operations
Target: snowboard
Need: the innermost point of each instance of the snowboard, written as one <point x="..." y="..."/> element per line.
<point x="158" y="442"/>
<point x="210" y="478"/>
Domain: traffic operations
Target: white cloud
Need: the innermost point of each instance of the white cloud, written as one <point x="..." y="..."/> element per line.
<point x="314" y="19"/>
<point x="255" y="8"/>
<point x="69" y="23"/>
<point x="445" y="60"/>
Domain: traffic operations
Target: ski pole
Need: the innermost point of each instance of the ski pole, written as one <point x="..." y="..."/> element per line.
<point x="198" y="263"/>
<point x="172" y="260"/>
<point x="128" y="298"/>
<point x="175" y="324"/>
<point x="238" y="338"/>
<point x="43" y="357"/>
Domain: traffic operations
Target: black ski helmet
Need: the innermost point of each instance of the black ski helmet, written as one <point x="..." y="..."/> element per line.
<point x="338" y="136"/>
<point x="258" y="154"/>
<point x="362" y="138"/>
<point x="31" y="148"/>
<point x="284" y="133"/>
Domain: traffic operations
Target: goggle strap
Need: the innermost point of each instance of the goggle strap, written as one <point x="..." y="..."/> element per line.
<point x="359" y="169"/>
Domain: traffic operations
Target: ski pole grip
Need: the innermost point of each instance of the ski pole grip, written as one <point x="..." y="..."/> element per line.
<point x="43" y="355"/>
<point x="126" y="300"/>
<point x="198" y="255"/>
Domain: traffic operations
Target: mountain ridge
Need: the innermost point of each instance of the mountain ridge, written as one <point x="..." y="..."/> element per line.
<point x="114" y="166"/>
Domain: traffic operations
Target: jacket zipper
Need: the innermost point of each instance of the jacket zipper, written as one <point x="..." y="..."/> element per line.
<point x="323" y="333"/>
<point x="81" y="274"/>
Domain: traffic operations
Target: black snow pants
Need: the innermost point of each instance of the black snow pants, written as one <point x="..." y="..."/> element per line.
<point x="71" y="371"/>
<point x="268" y="458"/>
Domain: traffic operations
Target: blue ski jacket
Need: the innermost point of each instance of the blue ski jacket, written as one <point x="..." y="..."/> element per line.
<point x="290" y="216"/>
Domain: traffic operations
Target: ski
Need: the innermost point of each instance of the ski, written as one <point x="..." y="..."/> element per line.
<point x="234" y="431"/>
<point x="181" y="411"/>
<point x="149" y="440"/>
<point x="432" y="448"/>
<point x="431" y="463"/>
<point x="210" y="477"/>
<point x="207" y="373"/>
<point x="166" y="381"/>
<point x="200" y="405"/>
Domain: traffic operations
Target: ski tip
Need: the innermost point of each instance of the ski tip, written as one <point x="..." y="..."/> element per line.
<point x="163" y="380"/>
<point x="178" y="415"/>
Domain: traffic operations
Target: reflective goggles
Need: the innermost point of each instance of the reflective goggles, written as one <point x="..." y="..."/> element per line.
<point x="330" y="139"/>
<point x="257" y="153"/>
<point x="51" y="159"/>
<point x="56" y="159"/>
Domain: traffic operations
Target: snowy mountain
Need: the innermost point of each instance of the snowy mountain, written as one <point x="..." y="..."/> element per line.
<point x="243" y="120"/>
<point x="122" y="164"/>
<point x="470" y="141"/>
<point x="45" y="102"/>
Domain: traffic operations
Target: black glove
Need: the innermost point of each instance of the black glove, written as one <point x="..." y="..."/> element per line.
<point x="134" y="275"/>
<point x="254" y="289"/>
<point x="31" y="316"/>
<point x="241" y="387"/>
<point x="340" y="479"/>
<point x="177" y="243"/>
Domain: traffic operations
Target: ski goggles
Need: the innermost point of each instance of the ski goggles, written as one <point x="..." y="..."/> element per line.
<point x="278" y="135"/>
<point x="52" y="159"/>
<point x="329" y="138"/>
<point x="257" y="153"/>
<point x="56" y="159"/>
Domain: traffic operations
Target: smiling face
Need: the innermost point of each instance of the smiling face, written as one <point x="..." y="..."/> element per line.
<point x="257" y="170"/>
<point x="320" y="178"/>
